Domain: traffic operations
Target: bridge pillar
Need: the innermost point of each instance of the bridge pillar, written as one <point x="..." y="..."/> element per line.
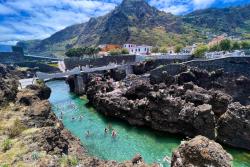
<point x="79" y="85"/>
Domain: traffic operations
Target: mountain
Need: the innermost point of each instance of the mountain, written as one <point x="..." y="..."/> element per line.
<point x="135" y="21"/>
<point x="233" y="21"/>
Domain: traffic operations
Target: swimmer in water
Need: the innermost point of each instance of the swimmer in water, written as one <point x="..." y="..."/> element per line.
<point x="73" y="118"/>
<point x="106" y="130"/>
<point x="87" y="134"/>
<point x="81" y="117"/>
<point x="114" y="133"/>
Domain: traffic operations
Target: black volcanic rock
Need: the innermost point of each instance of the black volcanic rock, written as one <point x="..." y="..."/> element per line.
<point x="234" y="126"/>
<point x="8" y="85"/>
<point x="200" y="151"/>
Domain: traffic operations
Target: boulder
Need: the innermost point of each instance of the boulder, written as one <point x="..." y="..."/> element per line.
<point x="118" y="74"/>
<point x="200" y="151"/>
<point x="234" y="126"/>
<point x="33" y="93"/>
<point x="8" y="85"/>
<point x="42" y="91"/>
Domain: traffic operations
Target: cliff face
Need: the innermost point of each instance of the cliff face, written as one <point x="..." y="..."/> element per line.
<point x="179" y="99"/>
<point x="8" y="85"/>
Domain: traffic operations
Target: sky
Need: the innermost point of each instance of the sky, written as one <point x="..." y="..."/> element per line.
<point x="38" y="19"/>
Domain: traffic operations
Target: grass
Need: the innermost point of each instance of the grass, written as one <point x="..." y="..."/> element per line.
<point x="53" y="65"/>
<point x="18" y="149"/>
<point x="6" y="145"/>
<point x="67" y="160"/>
<point x="15" y="129"/>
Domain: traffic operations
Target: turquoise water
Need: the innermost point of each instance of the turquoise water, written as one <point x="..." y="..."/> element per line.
<point x="129" y="141"/>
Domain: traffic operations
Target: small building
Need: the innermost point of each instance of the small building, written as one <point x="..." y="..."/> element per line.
<point x="189" y="49"/>
<point x="11" y="54"/>
<point x="109" y="47"/>
<point x="138" y="50"/>
<point x="128" y="46"/>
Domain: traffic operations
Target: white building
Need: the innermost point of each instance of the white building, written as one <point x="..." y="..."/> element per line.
<point x="222" y="54"/>
<point x="189" y="49"/>
<point x="138" y="50"/>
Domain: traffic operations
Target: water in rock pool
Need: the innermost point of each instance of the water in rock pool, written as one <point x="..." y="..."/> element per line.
<point x="129" y="141"/>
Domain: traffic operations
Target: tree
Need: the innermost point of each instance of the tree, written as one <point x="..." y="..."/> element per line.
<point x="163" y="50"/>
<point x="214" y="48"/>
<point x="200" y="51"/>
<point x="178" y="48"/>
<point x="78" y="52"/>
<point x="225" y="45"/>
<point x="236" y="46"/>
<point x="115" y="52"/>
<point x="124" y="51"/>
<point x="245" y="44"/>
<point x="155" y="50"/>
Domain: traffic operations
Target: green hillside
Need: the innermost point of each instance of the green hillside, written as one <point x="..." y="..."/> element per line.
<point x="135" y="21"/>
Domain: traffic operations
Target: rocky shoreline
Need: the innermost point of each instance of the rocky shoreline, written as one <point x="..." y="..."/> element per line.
<point x="179" y="100"/>
<point x="32" y="135"/>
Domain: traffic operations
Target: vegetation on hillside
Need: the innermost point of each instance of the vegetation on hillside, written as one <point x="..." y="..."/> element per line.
<point x="116" y="52"/>
<point x="83" y="51"/>
<point x="228" y="45"/>
<point x="137" y="22"/>
<point x="200" y="51"/>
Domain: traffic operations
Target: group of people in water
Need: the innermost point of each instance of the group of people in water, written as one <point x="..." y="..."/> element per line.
<point x="106" y="131"/>
<point x="87" y="133"/>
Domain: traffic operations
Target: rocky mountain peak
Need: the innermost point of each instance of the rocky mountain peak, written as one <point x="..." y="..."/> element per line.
<point x="136" y="8"/>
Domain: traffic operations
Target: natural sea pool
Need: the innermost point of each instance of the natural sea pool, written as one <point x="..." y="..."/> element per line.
<point x="129" y="141"/>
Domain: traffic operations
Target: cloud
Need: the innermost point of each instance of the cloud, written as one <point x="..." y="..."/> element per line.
<point x="6" y="10"/>
<point x="201" y="4"/>
<point x="177" y="10"/>
<point x="38" y="19"/>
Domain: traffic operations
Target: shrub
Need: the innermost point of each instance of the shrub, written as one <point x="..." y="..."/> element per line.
<point x="178" y="48"/>
<point x="40" y="82"/>
<point x="68" y="161"/>
<point x="245" y="44"/>
<point x="200" y="51"/>
<point x="124" y="51"/>
<point x="155" y="50"/>
<point x="115" y="52"/>
<point x="15" y="129"/>
<point x="226" y="45"/>
<point x="6" y="145"/>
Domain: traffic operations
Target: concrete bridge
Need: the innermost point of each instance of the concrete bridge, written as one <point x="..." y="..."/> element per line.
<point x="75" y="71"/>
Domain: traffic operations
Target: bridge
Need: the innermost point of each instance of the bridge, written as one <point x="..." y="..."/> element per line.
<point x="41" y="57"/>
<point x="76" y="70"/>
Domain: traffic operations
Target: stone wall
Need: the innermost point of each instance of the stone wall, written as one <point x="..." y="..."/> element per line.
<point x="11" y="57"/>
<point x="232" y="65"/>
<point x="71" y="63"/>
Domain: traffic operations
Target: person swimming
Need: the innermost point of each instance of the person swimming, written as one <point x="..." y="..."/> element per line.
<point x="87" y="134"/>
<point x="80" y="117"/>
<point x="73" y="118"/>
<point x="106" y="130"/>
<point x="114" y="133"/>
